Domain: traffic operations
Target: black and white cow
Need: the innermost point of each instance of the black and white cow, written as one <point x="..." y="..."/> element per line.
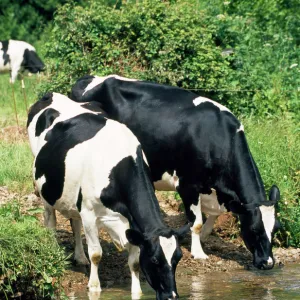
<point x="197" y="147"/>
<point x="19" y="56"/>
<point x="92" y="167"/>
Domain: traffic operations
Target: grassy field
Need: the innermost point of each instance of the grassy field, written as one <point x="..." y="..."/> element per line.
<point x="15" y="155"/>
<point x="7" y="111"/>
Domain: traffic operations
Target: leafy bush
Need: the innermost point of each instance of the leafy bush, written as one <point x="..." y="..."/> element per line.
<point x="182" y="43"/>
<point x="31" y="261"/>
<point x="153" y="40"/>
<point x="265" y="39"/>
<point x="25" y="20"/>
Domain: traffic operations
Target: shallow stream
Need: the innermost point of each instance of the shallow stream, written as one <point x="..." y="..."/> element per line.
<point x="279" y="283"/>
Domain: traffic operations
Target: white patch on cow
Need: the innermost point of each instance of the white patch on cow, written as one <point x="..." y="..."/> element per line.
<point x="200" y="100"/>
<point x="268" y="218"/>
<point x="241" y="128"/>
<point x="196" y="248"/>
<point x="98" y="80"/>
<point x="60" y="103"/>
<point x="168" y="182"/>
<point x="270" y="261"/>
<point x="39" y="182"/>
<point x="145" y="158"/>
<point x="168" y="246"/>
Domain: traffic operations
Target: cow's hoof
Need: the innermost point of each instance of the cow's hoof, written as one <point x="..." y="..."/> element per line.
<point x="81" y="260"/>
<point x="202" y="256"/>
<point x="204" y="237"/>
<point x="94" y="287"/>
<point x="136" y="295"/>
<point x="94" y="295"/>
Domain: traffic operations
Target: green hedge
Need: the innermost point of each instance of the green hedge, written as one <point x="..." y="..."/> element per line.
<point x="181" y="43"/>
<point x="26" y="20"/>
<point x="31" y="262"/>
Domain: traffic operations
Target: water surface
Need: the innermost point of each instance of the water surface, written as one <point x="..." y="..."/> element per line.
<point x="278" y="283"/>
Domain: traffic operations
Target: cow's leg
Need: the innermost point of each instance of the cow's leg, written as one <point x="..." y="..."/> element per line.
<point x="116" y="227"/>
<point x="207" y="227"/>
<point x="192" y="203"/>
<point x="14" y="73"/>
<point x="79" y="255"/>
<point x="49" y="216"/>
<point x="95" y="251"/>
<point x="134" y="266"/>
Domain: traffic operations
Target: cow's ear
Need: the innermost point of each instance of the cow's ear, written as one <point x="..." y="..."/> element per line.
<point x="134" y="237"/>
<point x="182" y="231"/>
<point x="274" y="194"/>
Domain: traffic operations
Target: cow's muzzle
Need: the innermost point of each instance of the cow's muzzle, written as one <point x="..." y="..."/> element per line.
<point x="167" y="296"/>
<point x="265" y="264"/>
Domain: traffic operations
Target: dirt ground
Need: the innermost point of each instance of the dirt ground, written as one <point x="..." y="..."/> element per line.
<point x="225" y="253"/>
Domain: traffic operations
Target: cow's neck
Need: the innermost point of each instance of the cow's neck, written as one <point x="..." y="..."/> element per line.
<point x="245" y="178"/>
<point x="142" y="204"/>
<point x="112" y="101"/>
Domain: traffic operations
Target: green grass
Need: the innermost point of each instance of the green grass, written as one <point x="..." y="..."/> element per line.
<point x="16" y="166"/>
<point x="15" y="154"/>
<point x="31" y="261"/>
<point x="275" y="145"/>
<point x="7" y="111"/>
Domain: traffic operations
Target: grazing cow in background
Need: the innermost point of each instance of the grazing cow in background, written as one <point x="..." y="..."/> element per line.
<point x="90" y="167"/>
<point x="197" y="147"/>
<point x="19" y="56"/>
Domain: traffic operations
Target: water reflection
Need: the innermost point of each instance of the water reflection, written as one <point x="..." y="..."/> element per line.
<point x="267" y="285"/>
<point x="275" y="284"/>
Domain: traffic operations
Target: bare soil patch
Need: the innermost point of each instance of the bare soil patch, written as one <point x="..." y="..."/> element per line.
<point x="13" y="134"/>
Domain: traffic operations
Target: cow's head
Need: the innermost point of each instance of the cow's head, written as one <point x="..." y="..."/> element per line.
<point x="258" y="225"/>
<point x="32" y="62"/>
<point x="159" y="256"/>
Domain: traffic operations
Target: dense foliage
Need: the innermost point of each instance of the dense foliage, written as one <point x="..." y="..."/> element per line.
<point x="243" y="58"/>
<point x="26" y="20"/>
<point x="31" y="261"/>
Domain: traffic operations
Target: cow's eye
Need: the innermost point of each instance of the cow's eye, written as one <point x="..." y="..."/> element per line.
<point x="154" y="260"/>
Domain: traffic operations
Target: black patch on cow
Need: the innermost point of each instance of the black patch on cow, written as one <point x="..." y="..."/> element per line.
<point x="116" y="195"/>
<point x="79" y="200"/>
<point x="130" y="188"/>
<point x="93" y="106"/>
<point x="32" y="62"/>
<point x="64" y="136"/>
<point x="79" y="87"/>
<point x="5" y="54"/>
<point x="45" y="101"/>
<point x="45" y="120"/>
